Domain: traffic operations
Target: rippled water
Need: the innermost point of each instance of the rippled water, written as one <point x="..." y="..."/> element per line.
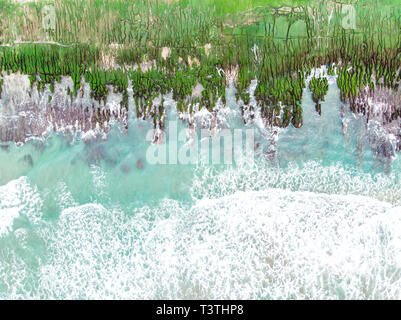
<point x="322" y="219"/>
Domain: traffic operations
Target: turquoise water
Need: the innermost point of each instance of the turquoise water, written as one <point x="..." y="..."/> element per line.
<point x="320" y="219"/>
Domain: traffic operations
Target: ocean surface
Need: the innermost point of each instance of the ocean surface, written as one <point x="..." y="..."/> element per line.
<point x="314" y="213"/>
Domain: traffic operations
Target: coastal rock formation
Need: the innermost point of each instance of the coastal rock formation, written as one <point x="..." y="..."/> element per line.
<point x="26" y="112"/>
<point x="382" y="109"/>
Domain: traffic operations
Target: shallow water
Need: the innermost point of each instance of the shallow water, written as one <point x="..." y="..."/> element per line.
<point x="320" y="219"/>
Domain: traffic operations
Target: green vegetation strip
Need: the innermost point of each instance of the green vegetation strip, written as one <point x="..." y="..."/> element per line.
<point x="191" y="43"/>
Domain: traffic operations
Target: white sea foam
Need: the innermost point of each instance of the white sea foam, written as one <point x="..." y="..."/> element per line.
<point x="311" y="176"/>
<point x="7" y="217"/>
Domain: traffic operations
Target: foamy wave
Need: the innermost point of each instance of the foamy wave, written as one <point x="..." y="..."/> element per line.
<point x="267" y="244"/>
<point x="311" y="176"/>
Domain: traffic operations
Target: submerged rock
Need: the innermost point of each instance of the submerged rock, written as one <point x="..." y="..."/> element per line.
<point x="27" y="159"/>
<point x="94" y="154"/>
<point x="139" y="164"/>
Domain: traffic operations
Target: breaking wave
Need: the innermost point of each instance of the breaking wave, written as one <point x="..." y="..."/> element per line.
<point x="248" y="233"/>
